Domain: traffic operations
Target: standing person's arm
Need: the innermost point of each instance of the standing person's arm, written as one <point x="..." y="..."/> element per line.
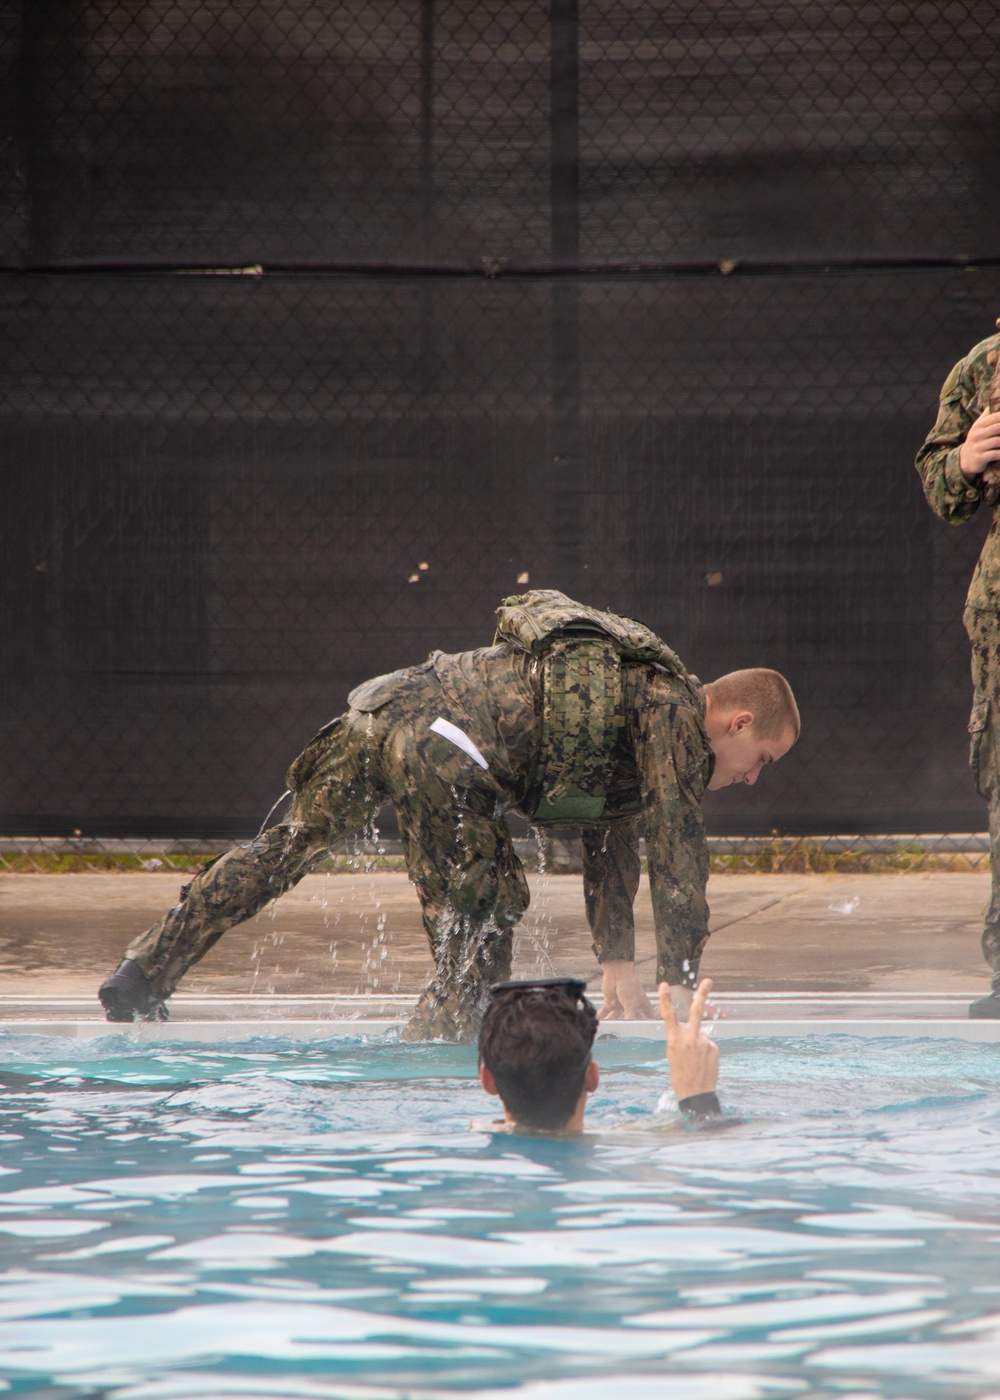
<point x="963" y="442"/>
<point x="675" y="764"/>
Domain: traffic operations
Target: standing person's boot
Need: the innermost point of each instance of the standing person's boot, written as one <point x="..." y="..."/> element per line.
<point x="128" y="995"/>
<point x="986" y="1008"/>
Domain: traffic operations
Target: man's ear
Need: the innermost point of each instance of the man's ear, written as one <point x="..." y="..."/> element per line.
<point x="741" y="720"/>
<point x="592" y="1076"/>
<point x="487" y="1081"/>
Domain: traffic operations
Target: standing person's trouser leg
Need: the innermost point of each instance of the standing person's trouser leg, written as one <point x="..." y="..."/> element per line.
<point x="336" y="789"/>
<point x="984" y="756"/>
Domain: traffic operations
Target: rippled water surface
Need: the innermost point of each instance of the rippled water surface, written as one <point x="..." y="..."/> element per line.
<point x="307" y="1221"/>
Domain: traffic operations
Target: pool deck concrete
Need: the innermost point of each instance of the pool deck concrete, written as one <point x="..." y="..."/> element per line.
<point x="787" y="950"/>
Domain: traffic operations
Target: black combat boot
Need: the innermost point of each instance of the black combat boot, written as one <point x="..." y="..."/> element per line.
<point x="127" y="995"/>
<point x="986" y="1008"/>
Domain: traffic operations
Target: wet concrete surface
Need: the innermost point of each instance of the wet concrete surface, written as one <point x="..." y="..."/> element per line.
<point x="803" y="938"/>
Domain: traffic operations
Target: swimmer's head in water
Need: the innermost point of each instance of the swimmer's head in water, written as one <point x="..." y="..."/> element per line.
<point x="535" y="1041"/>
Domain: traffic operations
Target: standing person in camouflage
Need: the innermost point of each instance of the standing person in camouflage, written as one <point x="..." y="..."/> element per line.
<point x="572" y="716"/>
<point x="959" y="465"/>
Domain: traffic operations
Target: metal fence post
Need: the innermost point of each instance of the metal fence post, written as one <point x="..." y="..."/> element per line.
<point x="427" y="126"/>
<point x="567" y="465"/>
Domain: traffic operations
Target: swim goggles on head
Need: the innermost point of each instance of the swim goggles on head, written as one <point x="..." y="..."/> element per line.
<point x="573" y="986"/>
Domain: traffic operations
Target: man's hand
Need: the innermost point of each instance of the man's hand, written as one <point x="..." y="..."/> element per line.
<point x="693" y="1058"/>
<point x="624" y="998"/>
<point x="982" y="446"/>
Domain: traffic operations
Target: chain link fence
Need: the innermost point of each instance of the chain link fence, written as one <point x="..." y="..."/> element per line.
<point x="324" y="327"/>
<point x="505" y="134"/>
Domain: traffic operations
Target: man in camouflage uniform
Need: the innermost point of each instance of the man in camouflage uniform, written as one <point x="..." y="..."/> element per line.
<point x="571" y="716"/>
<point x="959" y="465"/>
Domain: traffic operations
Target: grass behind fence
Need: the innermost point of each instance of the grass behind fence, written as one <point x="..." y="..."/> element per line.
<point x="778" y="857"/>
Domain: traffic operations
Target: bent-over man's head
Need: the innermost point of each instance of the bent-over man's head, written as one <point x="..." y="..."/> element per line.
<point x="534" y="1052"/>
<point x="751" y="719"/>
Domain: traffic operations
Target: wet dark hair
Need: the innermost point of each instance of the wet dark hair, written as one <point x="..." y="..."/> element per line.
<point x="535" y="1041"/>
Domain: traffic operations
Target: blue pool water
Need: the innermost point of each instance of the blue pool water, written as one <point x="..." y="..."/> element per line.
<point x="280" y="1220"/>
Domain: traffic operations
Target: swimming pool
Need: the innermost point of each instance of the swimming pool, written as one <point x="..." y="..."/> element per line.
<point x="288" y="1220"/>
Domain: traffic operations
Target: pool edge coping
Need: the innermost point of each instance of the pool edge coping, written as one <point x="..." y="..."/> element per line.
<point x="212" y="1032"/>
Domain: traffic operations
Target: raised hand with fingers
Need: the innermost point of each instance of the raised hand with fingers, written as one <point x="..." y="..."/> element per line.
<point x="693" y="1058"/>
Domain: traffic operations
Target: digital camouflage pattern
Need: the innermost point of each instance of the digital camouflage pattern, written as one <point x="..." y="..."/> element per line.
<point x="583" y="719"/>
<point x="582" y="650"/>
<point x="532" y="621"/>
<point x="965" y="395"/>
<point x="458" y="849"/>
<point x="991" y="476"/>
<point x="971" y="388"/>
<point x="984" y="756"/>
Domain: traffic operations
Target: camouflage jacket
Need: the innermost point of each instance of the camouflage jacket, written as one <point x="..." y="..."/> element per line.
<point x="658" y="764"/>
<point x="951" y="496"/>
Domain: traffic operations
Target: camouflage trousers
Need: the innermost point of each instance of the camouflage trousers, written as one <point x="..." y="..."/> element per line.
<point x="984" y="756"/>
<point x="458" y="849"/>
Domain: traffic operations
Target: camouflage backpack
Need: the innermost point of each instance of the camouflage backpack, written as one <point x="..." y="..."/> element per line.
<point x="581" y="651"/>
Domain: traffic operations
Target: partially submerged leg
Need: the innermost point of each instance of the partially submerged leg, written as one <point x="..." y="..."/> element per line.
<point x="472" y="891"/>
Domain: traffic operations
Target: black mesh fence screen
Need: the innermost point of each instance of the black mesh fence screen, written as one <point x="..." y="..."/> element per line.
<point x="409" y="131"/>
<point x="325" y="326"/>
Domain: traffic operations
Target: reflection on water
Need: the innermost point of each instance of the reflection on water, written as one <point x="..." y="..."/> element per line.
<point x="320" y="1221"/>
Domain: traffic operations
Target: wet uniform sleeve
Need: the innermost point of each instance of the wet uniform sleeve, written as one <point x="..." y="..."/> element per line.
<point x="949" y="494"/>
<point x="674" y="764"/>
<point x="610" y="884"/>
<point x="701" y="1105"/>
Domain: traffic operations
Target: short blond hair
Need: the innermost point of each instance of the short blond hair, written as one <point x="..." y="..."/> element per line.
<point x="766" y="694"/>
